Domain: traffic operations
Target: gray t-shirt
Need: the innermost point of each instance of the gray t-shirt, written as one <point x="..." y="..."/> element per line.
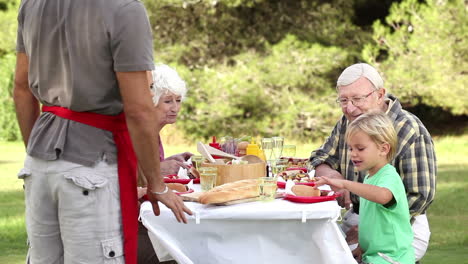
<point x="74" y="49"/>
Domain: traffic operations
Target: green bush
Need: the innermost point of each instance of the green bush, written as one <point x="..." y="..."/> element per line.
<point x="8" y="125"/>
<point x="423" y="52"/>
<point x="205" y="32"/>
<point x="259" y="94"/>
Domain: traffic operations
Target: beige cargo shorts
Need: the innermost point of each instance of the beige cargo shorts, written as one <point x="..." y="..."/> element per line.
<point x="72" y="212"/>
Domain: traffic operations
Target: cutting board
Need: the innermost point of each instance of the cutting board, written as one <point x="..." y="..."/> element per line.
<point x="193" y="197"/>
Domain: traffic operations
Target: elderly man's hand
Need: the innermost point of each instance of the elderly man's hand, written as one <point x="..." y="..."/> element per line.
<point x="352" y="236"/>
<point x="357" y="254"/>
<point x="344" y="200"/>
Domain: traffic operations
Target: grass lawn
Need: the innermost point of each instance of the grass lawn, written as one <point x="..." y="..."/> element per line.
<point x="448" y="215"/>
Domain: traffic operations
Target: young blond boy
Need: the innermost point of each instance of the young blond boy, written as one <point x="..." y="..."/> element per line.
<point x="384" y="216"/>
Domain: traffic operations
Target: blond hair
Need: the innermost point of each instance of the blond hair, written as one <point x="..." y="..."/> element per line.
<point x="378" y="127"/>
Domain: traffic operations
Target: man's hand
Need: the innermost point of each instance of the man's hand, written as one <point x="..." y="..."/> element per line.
<point x="182" y="157"/>
<point x="345" y="199"/>
<point x="172" y="201"/>
<point x="337" y="186"/>
<point x="352" y="236"/>
<point x="326" y="171"/>
<point x="357" y="254"/>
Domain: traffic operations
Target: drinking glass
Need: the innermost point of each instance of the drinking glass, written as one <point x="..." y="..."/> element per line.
<point x="277" y="146"/>
<point x="278" y="166"/>
<point x="208" y="178"/>
<point x="289" y="151"/>
<point x="197" y="160"/>
<point x="267" y="188"/>
<point x="267" y="147"/>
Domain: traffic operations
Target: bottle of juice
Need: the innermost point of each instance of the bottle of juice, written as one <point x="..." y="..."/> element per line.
<point x="252" y="149"/>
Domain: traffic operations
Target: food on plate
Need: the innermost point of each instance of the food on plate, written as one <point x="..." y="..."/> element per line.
<point x="237" y="190"/>
<point x="178" y="187"/>
<point x="304" y="190"/>
<point x="296" y="176"/>
<point x="295" y="162"/>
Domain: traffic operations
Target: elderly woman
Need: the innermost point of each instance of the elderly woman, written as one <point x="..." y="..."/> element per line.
<point x="168" y="91"/>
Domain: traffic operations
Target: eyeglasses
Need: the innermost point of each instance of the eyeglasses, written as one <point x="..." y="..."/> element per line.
<point x="356" y="101"/>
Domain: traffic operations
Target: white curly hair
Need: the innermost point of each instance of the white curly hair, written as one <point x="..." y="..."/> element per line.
<point x="165" y="80"/>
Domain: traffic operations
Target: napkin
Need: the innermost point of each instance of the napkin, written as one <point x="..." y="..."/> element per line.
<point x="287" y="188"/>
<point x="183" y="173"/>
<point x="190" y="185"/>
<point x="311" y="174"/>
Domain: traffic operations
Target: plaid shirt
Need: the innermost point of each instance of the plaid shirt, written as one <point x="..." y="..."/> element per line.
<point x="415" y="158"/>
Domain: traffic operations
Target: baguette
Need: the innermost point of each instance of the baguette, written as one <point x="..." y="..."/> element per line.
<point x="231" y="185"/>
<point x="242" y="189"/>
<point x="304" y="190"/>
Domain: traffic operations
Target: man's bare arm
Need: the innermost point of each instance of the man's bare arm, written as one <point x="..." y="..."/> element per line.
<point x="144" y="131"/>
<point x="26" y="105"/>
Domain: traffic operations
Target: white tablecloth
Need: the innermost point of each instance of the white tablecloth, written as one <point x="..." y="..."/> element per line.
<point x="256" y="232"/>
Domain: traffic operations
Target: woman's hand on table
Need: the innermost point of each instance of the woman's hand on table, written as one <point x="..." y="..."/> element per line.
<point x="172" y="166"/>
<point x="171" y="201"/>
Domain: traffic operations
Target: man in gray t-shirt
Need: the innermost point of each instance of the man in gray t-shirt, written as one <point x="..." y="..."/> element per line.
<point x="84" y="56"/>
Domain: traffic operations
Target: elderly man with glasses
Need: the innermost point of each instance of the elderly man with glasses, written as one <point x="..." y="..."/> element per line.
<point x="360" y="90"/>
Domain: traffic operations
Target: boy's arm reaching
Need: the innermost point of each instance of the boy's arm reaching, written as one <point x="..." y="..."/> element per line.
<point x="369" y="192"/>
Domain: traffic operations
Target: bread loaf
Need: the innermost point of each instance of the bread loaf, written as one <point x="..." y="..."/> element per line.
<point x="178" y="187"/>
<point x="237" y="190"/>
<point x="304" y="190"/>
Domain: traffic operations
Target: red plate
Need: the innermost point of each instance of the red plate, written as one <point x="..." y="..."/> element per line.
<point x="282" y="185"/>
<point x="309" y="199"/>
<point x="182" y="181"/>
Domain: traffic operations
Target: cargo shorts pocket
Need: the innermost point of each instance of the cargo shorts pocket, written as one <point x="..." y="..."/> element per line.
<point x="23" y="173"/>
<point x="113" y="250"/>
<point x="89" y="180"/>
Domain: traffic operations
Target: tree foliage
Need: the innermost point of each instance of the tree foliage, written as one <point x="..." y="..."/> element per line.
<point x="269" y="67"/>
<point x="257" y="67"/>
<point x="422" y="49"/>
<point x="8" y="124"/>
<point x="264" y="94"/>
<point x="206" y="32"/>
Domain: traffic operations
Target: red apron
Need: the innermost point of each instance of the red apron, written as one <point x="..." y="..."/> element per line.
<point x="127" y="169"/>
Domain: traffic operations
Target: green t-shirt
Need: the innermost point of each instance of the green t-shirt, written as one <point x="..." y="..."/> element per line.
<point x="386" y="230"/>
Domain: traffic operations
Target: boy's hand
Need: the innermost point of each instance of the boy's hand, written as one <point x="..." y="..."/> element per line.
<point x="334" y="183"/>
